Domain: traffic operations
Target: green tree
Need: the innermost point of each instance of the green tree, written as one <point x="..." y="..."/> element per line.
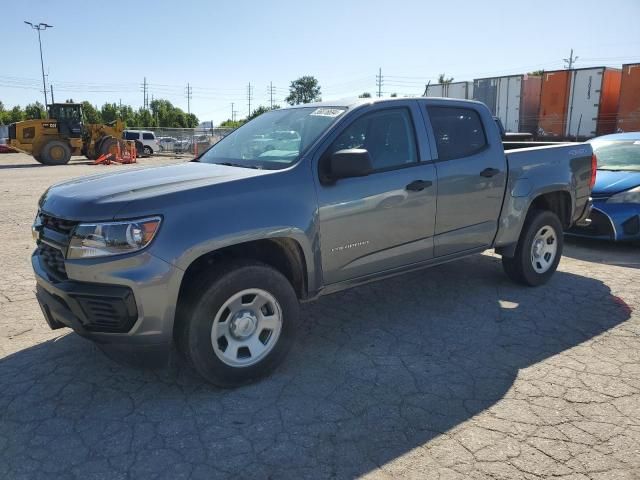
<point x="232" y="123"/>
<point x="442" y="79"/>
<point x="109" y="112"/>
<point x="304" y="90"/>
<point x="16" y="114"/>
<point x="192" y="120"/>
<point x="536" y="73"/>
<point x="259" y="111"/>
<point x="364" y="95"/>
<point x="91" y="113"/>
<point x="35" y="111"/>
<point x="394" y="95"/>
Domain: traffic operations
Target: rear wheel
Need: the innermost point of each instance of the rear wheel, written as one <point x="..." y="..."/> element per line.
<point x="55" y="152"/>
<point x="238" y="324"/>
<point x="538" y="251"/>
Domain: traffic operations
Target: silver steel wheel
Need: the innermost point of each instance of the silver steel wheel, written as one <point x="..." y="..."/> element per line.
<point x="246" y="328"/>
<point x="544" y="249"/>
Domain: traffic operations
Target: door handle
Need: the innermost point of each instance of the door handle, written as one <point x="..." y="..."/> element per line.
<point x="418" y="185"/>
<point x="489" y="172"/>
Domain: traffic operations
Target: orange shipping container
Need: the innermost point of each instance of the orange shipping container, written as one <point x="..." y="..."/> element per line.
<point x="554" y="100"/>
<point x="629" y="106"/>
<point x="580" y="103"/>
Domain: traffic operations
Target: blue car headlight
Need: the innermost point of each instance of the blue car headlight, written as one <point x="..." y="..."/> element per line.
<point x="629" y="196"/>
<point x="112" y="238"/>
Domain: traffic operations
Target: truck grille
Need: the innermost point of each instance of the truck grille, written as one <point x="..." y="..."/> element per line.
<point x="52" y="261"/>
<point x="52" y="258"/>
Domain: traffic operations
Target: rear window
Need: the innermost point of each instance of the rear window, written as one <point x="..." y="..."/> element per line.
<point x="131" y="135"/>
<point x="459" y="132"/>
<point x="148" y="136"/>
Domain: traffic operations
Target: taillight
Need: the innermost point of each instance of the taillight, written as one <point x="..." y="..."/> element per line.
<point x="594" y="169"/>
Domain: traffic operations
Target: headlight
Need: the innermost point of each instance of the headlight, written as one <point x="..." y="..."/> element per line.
<point x="112" y="238"/>
<point x="630" y="196"/>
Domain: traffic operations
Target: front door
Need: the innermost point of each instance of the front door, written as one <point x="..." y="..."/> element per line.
<point x="471" y="180"/>
<point x="386" y="219"/>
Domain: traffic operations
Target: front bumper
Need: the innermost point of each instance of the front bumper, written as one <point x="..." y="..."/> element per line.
<point x="617" y="221"/>
<point x="126" y="304"/>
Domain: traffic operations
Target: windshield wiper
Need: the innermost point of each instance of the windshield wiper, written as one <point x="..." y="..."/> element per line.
<point x="231" y="164"/>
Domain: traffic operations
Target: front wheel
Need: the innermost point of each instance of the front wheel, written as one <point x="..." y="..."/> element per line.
<point x="237" y="325"/>
<point x="148" y="151"/>
<point x="55" y="152"/>
<point x="538" y="251"/>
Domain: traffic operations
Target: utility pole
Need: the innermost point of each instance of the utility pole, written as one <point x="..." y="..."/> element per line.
<point x="271" y="90"/>
<point x="52" y="100"/>
<point x="249" y="97"/>
<point x="379" y="82"/>
<point x="570" y="61"/>
<point x="39" y="27"/>
<point x="233" y="112"/>
<point x="189" y="94"/>
<point x="144" y="93"/>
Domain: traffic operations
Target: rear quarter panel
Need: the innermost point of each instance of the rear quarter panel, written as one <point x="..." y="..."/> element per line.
<point x="540" y="170"/>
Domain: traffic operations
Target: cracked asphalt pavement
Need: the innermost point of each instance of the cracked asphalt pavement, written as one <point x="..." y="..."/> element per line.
<point x="452" y="372"/>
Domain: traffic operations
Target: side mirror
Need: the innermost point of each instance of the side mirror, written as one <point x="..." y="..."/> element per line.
<point x="352" y="162"/>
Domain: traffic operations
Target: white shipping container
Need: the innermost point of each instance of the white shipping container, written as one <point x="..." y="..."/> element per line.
<point x="461" y="90"/>
<point x="508" y="102"/>
<point x="435" y="90"/>
<point x="584" y="101"/>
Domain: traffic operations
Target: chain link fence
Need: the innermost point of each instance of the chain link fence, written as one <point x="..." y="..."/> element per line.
<point x="187" y="141"/>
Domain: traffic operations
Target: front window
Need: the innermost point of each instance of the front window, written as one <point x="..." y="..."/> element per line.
<point x="617" y="154"/>
<point x="274" y="140"/>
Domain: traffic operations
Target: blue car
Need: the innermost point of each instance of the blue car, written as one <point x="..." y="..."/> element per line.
<point x="616" y="193"/>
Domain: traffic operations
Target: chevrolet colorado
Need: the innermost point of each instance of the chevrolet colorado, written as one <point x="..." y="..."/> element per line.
<point x="214" y="255"/>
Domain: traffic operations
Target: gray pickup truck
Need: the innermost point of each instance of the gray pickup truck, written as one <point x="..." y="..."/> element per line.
<point x="214" y="255"/>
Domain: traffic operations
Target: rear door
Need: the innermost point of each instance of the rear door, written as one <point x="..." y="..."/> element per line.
<point x="471" y="170"/>
<point x="584" y="102"/>
<point x="384" y="220"/>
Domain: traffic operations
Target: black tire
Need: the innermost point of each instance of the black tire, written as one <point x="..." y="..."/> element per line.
<point x="147" y="150"/>
<point x="55" y="152"/>
<point x="207" y="295"/>
<point x="106" y="144"/>
<point x="520" y="268"/>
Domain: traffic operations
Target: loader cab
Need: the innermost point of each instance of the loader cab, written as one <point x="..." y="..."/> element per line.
<point x="69" y="118"/>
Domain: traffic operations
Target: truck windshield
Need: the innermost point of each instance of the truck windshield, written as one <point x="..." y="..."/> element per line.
<point x="274" y="140"/>
<point x="617" y="155"/>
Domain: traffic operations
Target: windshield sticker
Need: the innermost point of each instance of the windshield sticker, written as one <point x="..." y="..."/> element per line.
<point x="326" y="112"/>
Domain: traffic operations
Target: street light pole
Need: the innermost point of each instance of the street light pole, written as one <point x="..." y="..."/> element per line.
<point x="39" y="27"/>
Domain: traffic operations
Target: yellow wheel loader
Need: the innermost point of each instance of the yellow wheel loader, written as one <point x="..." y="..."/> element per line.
<point x="63" y="133"/>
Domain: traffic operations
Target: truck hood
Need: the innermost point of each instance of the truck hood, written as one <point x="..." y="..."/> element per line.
<point x="611" y="182"/>
<point x="102" y="197"/>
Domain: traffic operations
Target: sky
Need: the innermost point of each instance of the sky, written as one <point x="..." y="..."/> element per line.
<point x="102" y="52"/>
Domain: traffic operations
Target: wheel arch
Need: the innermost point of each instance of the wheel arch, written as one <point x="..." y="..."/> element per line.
<point x="556" y="200"/>
<point x="282" y="253"/>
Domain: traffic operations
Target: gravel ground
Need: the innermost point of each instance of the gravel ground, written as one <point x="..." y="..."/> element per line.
<point x="448" y="373"/>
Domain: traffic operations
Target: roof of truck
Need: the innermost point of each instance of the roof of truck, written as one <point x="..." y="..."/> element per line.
<point x="356" y="102"/>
